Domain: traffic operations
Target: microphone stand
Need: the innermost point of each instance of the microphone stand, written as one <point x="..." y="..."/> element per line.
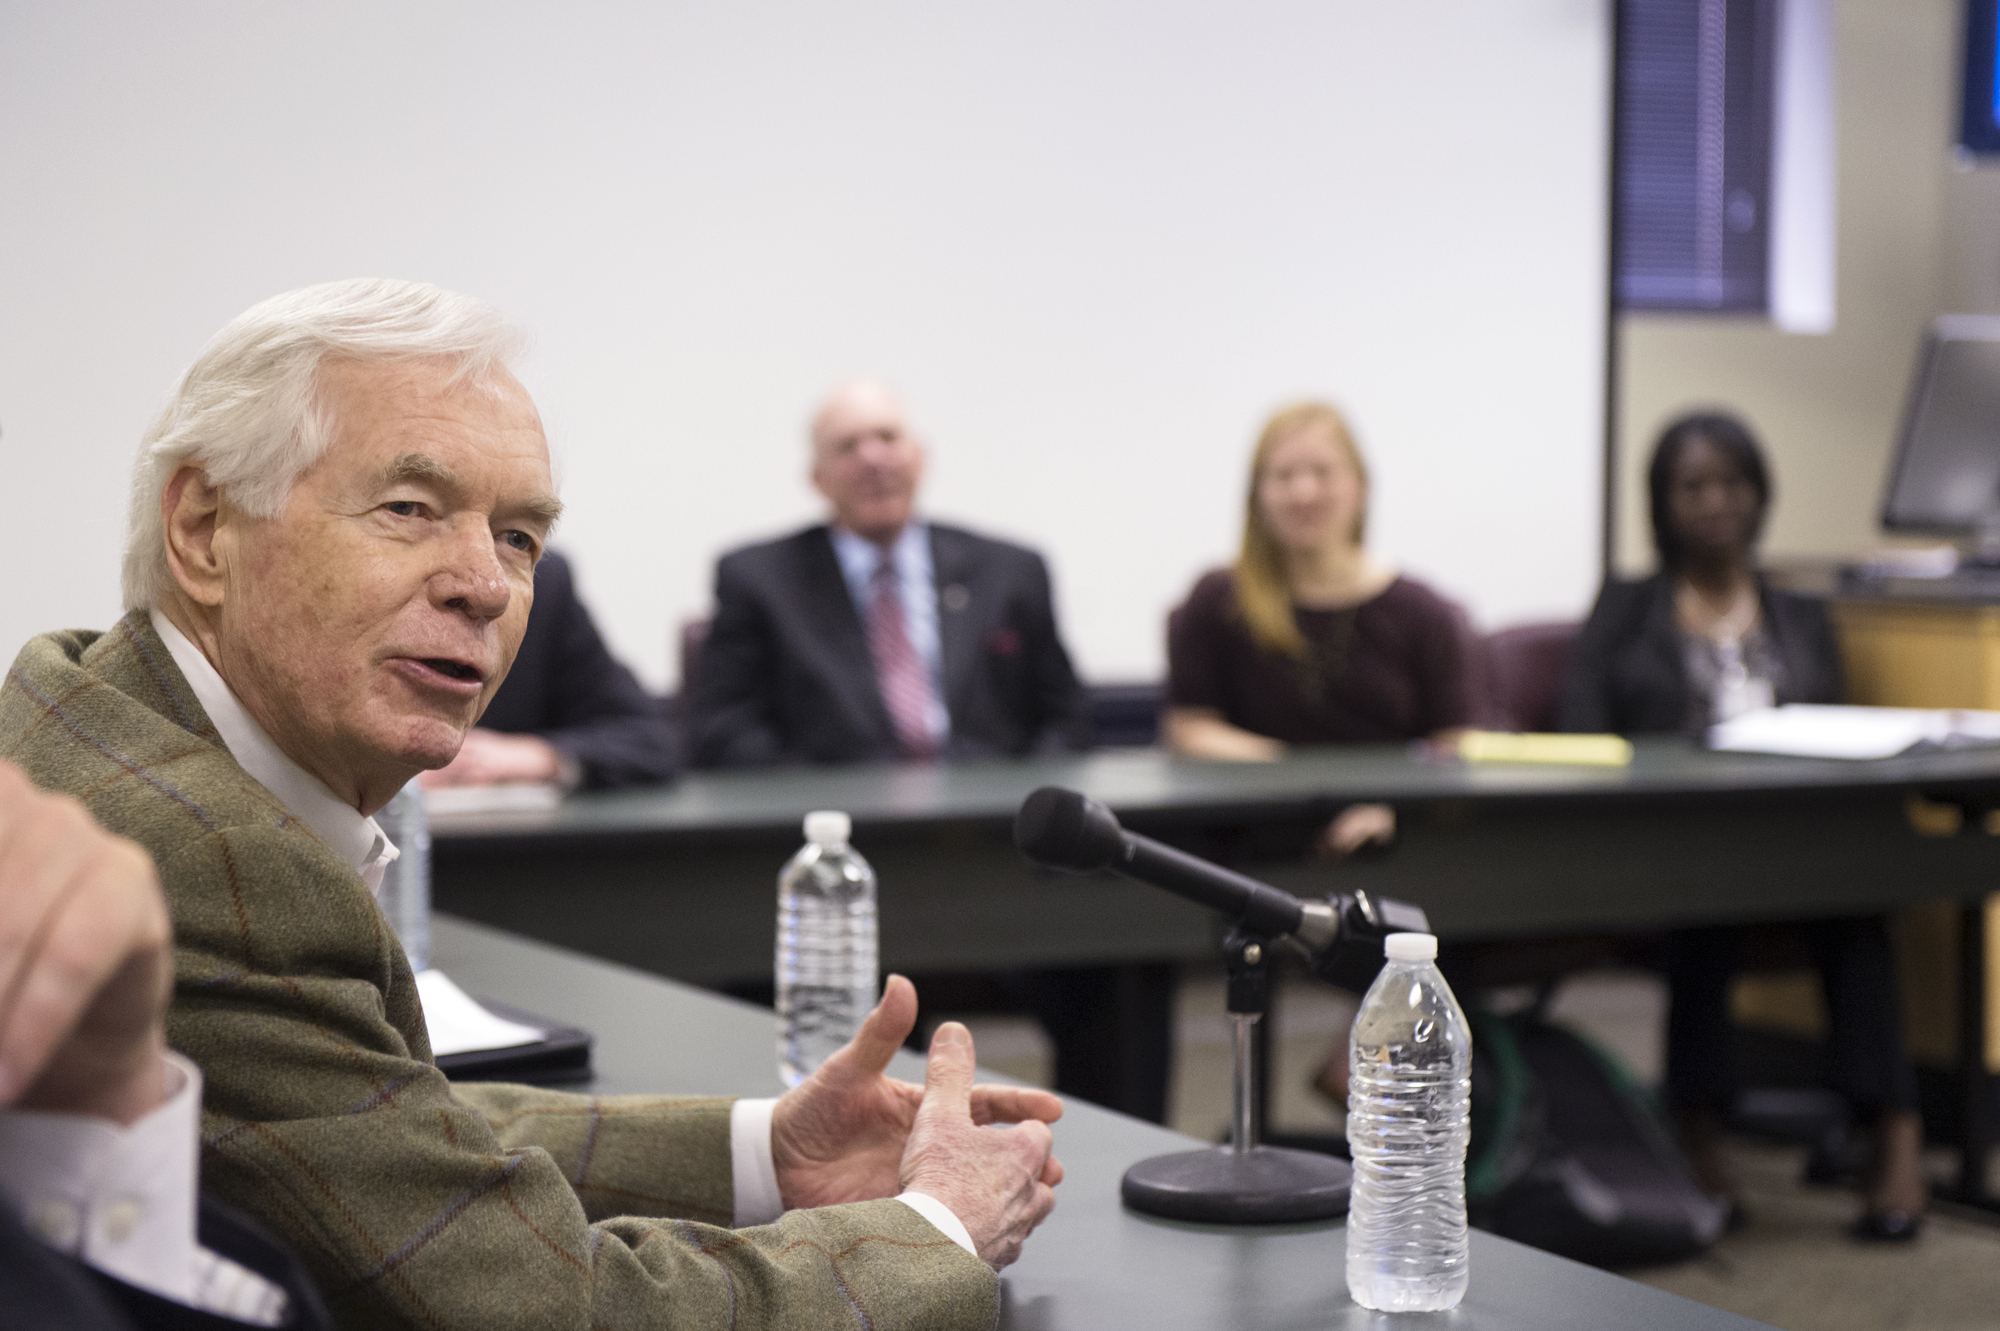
<point x="1243" y="1182"/>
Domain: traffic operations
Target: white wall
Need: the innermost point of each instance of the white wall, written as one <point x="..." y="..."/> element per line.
<point x="1094" y="243"/>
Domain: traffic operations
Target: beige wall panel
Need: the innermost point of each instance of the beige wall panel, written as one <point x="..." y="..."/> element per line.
<point x="1902" y="655"/>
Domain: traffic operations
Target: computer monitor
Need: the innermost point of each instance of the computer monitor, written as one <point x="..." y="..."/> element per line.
<point x="1979" y="89"/>
<point x="1945" y="479"/>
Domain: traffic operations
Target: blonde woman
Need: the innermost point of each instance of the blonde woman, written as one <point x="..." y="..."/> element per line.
<point x="1309" y="639"/>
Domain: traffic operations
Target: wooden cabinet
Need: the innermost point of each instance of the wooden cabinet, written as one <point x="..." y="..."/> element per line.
<point x="1920" y="654"/>
<point x="1907" y="653"/>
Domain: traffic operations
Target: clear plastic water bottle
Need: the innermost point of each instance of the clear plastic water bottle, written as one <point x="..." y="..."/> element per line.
<point x="405" y="896"/>
<point x="826" y="947"/>
<point x="1409" y="1122"/>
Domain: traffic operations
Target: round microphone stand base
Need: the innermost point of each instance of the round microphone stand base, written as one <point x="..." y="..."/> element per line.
<point x="1264" y="1185"/>
<point x="1241" y="1183"/>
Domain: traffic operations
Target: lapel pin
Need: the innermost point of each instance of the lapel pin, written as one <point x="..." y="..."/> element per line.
<point x="956" y="597"/>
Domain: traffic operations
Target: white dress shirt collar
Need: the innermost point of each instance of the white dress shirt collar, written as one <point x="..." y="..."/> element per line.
<point x="357" y="840"/>
<point x="909" y="554"/>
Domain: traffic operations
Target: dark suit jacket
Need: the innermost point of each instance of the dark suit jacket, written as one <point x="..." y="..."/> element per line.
<point x="1627" y="675"/>
<point x="567" y="688"/>
<point x="785" y="675"/>
<point x="43" y="1289"/>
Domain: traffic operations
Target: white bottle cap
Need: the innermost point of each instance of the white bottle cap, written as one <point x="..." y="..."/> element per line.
<point x="828" y="827"/>
<point x="1410" y="947"/>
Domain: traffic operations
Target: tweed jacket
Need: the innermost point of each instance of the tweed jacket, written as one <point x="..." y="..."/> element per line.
<point x="414" y="1202"/>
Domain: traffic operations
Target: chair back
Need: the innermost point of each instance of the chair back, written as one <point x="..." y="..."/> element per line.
<point x="1525" y="669"/>
<point x="1125" y="715"/>
<point x="693" y="637"/>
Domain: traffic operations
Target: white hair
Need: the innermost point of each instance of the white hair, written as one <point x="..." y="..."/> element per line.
<point x="248" y="413"/>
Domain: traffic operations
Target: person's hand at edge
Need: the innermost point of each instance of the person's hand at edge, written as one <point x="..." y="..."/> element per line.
<point x="86" y="965"/>
<point x="841" y="1134"/>
<point x="491" y="757"/>
<point x="999" y="1181"/>
<point x="1356" y="826"/>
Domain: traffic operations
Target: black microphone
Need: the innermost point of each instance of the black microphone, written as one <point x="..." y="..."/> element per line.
<point x="1062" y="829"/>
<point x="1242" y="1182"/>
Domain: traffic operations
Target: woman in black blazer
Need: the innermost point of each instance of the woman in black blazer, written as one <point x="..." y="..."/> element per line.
<point x="1704" y="639"/>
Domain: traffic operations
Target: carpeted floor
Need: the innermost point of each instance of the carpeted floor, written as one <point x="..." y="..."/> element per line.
<point x="1792" y="1266"/>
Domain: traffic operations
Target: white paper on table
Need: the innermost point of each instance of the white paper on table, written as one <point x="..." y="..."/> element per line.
<point x="1815" y="730"/>
<point x="510" y="797"/>
<point x="459" y="1025"/>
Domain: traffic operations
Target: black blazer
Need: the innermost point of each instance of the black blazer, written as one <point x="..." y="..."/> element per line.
<point x="567" y="688"/>
<point x="785" y="675"/>
<point x="42" y="1289"/>
<point x="1627" y="675"/>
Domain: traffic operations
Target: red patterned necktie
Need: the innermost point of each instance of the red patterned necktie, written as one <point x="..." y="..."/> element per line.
<point x="905" y="682"/>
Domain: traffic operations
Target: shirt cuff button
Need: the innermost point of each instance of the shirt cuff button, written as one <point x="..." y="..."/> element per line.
<point x="120" y="1219"/>
<point x="58" y="1223"/>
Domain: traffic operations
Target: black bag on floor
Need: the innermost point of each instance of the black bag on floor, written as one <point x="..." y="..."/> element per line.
<point x="1569" y="1154"/>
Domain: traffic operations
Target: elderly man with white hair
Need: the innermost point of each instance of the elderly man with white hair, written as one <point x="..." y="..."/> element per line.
<point x="335" y="525"/>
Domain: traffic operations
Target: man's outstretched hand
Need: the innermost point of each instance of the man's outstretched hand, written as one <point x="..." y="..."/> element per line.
<point x="849" y="1133"/>
<point x="85" y="961"/>
<point x="999" y="1182"/>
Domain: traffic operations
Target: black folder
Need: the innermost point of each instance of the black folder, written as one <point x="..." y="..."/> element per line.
<point x="557" y="1059"/>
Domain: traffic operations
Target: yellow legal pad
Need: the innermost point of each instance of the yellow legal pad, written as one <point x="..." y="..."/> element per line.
<point x="1493" y="746"/>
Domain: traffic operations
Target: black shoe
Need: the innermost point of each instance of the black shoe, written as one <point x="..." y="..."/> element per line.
<point x="1888" y="1226"/>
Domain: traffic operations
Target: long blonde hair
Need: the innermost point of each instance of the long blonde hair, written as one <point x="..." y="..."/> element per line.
<point x="1262" y="592"/>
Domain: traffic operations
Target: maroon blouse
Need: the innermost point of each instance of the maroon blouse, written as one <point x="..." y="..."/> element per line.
<point x="1400" y="665"/>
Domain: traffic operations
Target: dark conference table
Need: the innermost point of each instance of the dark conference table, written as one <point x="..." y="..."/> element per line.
<point x="1093" y="1264"/>
<point x="681" y="881"/>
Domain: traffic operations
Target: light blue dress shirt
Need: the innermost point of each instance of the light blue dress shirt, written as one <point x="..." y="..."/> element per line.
<point x="916" y="583"/>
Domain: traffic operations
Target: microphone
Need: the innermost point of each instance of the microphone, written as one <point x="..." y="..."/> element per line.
<point x="1242" y="1182"/>
<point x="1062" y="829"/>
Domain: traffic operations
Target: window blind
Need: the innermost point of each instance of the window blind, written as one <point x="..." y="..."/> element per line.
<point x="1693" y="184"/>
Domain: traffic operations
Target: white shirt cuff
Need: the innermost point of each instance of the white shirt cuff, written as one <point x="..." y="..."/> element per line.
<point x="752" y="1168"/>
<point x="935" y="1211"/>
<point x="754" y="1172"/>
<point x="120" y="1198"/>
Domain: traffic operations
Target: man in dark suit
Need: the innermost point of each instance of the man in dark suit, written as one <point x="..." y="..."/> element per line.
<point x="880" y="636"/>
<point x="569" y="712"/>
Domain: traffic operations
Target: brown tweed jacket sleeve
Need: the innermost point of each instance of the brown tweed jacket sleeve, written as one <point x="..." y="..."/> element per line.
<point x="416" y="1203"/>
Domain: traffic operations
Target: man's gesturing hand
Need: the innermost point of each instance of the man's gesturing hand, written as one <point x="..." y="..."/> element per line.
<point x="85" y="961"/>
<point x="843" y="1134"/>
<point x="999" y="1182"/>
